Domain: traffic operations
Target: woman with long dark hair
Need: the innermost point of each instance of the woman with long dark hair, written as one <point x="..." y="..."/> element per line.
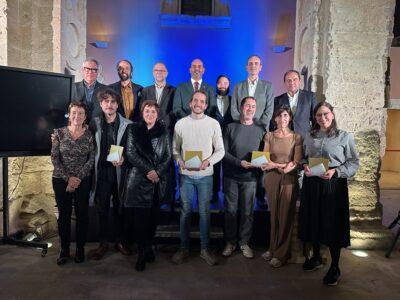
<point x="324" y="208"/>
<point x="72" y="155"/>
<point x="281" y="184"/>
<point x="148" y="151"/>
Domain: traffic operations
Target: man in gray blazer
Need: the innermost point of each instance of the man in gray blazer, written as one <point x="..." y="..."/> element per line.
<point x="184" y="91"/>
<point x="260" y="89"/>
<point x="86" y="90"/>
<point x="301" y="103"/>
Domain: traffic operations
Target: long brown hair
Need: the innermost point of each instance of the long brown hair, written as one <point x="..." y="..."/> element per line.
<point x="333" y="131"/>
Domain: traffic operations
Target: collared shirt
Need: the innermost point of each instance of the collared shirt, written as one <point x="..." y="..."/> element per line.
<point x="193" y="81"/>
<point x="293" y="101"/>
<point x="252" y="86"/>
<point x="89" y="90"/>
<point x="159" y="90"/>
<point x="222" y="103"/>
<point x="128" y="99"/>
<point x="340" y="149"/>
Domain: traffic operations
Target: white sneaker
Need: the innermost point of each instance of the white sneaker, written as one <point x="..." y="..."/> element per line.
<point x="267" y="255"/>
<point x="275" y="263"/>
<point x="229" y="249"/>
<point x="247" y="252"/>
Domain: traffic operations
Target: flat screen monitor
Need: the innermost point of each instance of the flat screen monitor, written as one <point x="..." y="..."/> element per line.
<point x="33" y="103"/>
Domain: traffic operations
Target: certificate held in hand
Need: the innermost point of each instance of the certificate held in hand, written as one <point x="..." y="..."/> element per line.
<point x="259" y="158"/>
<point x="193" y="160"/>
<point x="318" y="165"/>
<point x="115" y="153"/>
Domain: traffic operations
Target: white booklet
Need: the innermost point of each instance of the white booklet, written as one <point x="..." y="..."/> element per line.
<point x="115" y="153"/>
<point x="318" y="170"/>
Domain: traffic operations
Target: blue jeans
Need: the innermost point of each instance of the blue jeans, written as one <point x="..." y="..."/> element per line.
<point x="188" y="185"/>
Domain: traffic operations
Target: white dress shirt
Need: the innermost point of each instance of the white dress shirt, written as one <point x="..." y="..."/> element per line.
<point x="252" y="87"/>
<point x="222" y="103"/>
<point x="293" y="101"/>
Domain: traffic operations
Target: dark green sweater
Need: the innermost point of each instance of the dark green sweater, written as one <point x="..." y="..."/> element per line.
<point x="239" y="141"/>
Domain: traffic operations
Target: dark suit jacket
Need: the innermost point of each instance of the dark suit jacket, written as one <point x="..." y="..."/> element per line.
<point x="264" y="96"/>
<point x="78" y="94"/>
<point x="304" y="113"/>
<point x="183" y="95"/>
<point x="166" y="103"/>
<point x="136" y="90"/>
<point x="222" y="120"/>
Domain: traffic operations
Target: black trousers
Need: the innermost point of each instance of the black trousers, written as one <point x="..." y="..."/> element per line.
<point x="145" y="220"/>
<point x="105" y="193"/>
<point x="217" y="178"/>
<point x="80" y="200"/>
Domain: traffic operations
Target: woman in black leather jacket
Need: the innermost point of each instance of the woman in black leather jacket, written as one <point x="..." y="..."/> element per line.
<point x="148" y="151"/>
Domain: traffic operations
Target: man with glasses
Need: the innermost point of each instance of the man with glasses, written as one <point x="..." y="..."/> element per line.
<point x="129" y="92"/>
<point x="163" y="94"/>
<point x="86" y="90"/>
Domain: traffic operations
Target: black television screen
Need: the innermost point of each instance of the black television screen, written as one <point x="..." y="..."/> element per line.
<point x="33" y="103"/>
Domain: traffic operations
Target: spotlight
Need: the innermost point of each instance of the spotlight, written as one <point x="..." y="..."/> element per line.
<point x="359" y="253"/>
<point x="100" y="44"/>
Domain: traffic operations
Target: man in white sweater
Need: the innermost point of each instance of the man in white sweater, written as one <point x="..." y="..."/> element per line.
<point x="197" y="132"/>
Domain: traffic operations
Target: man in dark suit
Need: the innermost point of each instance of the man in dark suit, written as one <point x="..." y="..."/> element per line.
<point x="185" y="91"/>
<point x="129" y="92"/>
<point x="301" y="103"/>
<point x="255" y="87"/>
<point x="86" y="90"/>
<point x="163" y="94"/>
<point x="222" y="113"/>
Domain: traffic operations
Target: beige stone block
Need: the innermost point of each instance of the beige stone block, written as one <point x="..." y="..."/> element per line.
<point x="368" y="148"/>
<point x="361" y="15"/>
<point x="30" y="164"/>
<point x="46" y="183"/>
<point x="353" y="120"/>
<point x="24" y="184"/>
<point x="355" y="95"/>
<point x="348" y="44"/>
<point x="35" y="203"/>
<point x="363" y="195"/>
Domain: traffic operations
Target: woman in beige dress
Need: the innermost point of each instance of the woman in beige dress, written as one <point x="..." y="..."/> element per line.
<point x="281" y="184"/>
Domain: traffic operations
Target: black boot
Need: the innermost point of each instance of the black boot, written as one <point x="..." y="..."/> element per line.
<point x="80" y="255"/>
<point x="149" y="255"/>
<point x="141" y="261"/>
<point x="63" y="257"/>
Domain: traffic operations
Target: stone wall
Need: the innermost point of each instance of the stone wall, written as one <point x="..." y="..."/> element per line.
<point x="342" y="46"/>
<point x="46" y="35"/>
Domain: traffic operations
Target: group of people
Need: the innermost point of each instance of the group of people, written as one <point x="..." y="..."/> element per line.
<point x="160" y="124"/>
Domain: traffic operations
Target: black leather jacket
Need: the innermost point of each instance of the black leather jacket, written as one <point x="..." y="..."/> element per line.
<point x="146" y="150"/>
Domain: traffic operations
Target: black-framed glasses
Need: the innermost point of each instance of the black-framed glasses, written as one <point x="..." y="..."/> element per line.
<point x="92" y="70"/>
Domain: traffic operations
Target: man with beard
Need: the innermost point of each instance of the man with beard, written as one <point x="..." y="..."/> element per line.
<point x="185" y="91"/>
<point x="110" y="129"/>
<point x="197" y="132"/>
<point x="86" y="90"/>
<point x="129" y="92"/>
<point x="240" y="178"/>
<point x="222" y="113"/>
<point x="255" y="87"/>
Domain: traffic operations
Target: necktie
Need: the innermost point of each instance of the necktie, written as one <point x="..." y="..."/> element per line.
<point x="196" y="86"/>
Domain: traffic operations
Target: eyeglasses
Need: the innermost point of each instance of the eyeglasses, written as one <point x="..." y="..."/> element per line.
<point x="325" y="114"/>
<point x="92" y="70"/>
<point x="159" y="71"/>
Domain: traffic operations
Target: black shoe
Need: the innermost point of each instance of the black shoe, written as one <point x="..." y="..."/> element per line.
<point x="79" y="255"/>
<point x="63" y="257"/>
<point x="332" y="277"/>
<point x="149" y="255"/>
<point x="141" y="262"/>
<point x="312" y="264"/>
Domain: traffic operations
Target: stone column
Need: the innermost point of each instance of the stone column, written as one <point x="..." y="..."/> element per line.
<point x="46" y="35"/>
<point x="342" y="47"/>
